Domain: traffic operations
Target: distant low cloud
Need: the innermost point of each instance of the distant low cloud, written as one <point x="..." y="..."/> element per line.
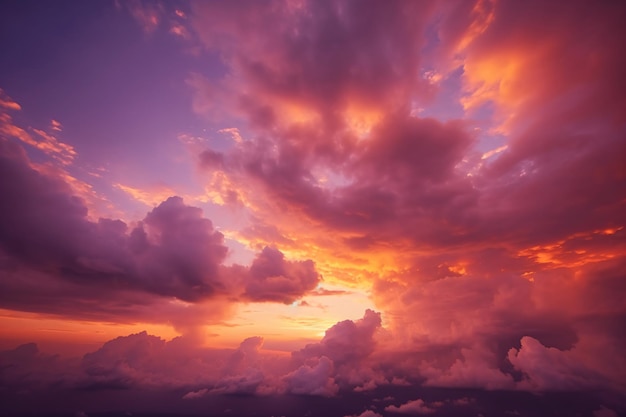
<point x="143" y="361"/>
<point x="314" y="379"/>
<point x="366" y="413"/>
<point x="412" y="407"/>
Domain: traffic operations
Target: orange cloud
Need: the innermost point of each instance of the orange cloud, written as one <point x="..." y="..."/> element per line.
<point x="7" y="102"/>
<point x="48" y="144"/>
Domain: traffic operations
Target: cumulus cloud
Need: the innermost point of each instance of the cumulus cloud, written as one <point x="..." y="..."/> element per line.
<point x="346" y="341"/>
<point x="141" y="360"/>
<point x="174" y="252"/>
<point x="348" y="346"/>
<point x="411" y="407"/>
<point x="548" y="368"/>
<point x="242" y="371"/>
<point x="272" y="278"/>
<point x="314" y="379"/>
<point x="144" y="360"/>
<point x="27" y="368"/>
<point x="477" y="369"/>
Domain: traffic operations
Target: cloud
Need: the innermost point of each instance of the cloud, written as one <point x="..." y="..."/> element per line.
<point x="345" y="342"/>
<point x="366" y="413"/>
<point x="342" y="164"/>
<point x="547" y="368"/>
<point x="45" y="142"/>
<point x="141" y="360"/>
<point x="604" y="412"/>
<point x="27" y="368"/>
<point x="195" y="394"/>
<point x="322" y="56"/>
<point x="477" y="369"/>
<point x="467" y="224"/>
<point x="125" y="361"/>
<point x="56" y="125"/>
<point x="7" y="102"/>
<point x="412" y="407"/>
<point x="147" y="14"/>
<point x="314" y="379"/>
<point x="58" y="237"/>
<point x="348" y="346"/>
<point x="173" y="253"/>
<point x="272" y="278"/>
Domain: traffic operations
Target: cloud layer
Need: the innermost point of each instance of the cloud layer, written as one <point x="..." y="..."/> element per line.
<point x="462" y="162"/>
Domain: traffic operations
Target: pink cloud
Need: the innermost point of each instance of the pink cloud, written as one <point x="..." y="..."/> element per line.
<point x="142" y="360"/>
<point x="29" y="368"/>
<point x="50" y="145"/>
<point x="147" y="14"/>
<point x="465" y="246"/>
<point x="56" y="125"/>
<point x="405" y="185"/>
<point x="477" y="369"/>
<point x="195" y="394"/>
<point x="366" y="413"/>
<point x="272" y="278"/>
<point x="310" y="58"/>
<point x="174" y="252"/>
<point x="346" y="341"/>
<point x="412" y="407"/>
<point x="548" y="368"/>
<point x="314" y="379"/>
<point x="473" y="251"/>
<point x="7" y="102"/>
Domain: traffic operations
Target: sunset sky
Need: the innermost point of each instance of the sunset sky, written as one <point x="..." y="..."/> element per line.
<point x="374" y="207"/>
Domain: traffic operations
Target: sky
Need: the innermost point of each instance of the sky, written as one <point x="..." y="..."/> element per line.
<point x="350" y="208"/>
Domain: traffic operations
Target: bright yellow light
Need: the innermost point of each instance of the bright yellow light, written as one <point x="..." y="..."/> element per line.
<point x="291" y="327"/>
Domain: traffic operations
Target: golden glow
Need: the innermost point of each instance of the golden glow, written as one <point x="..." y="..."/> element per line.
<point x="612" y="231"/>
<point x="360" y="119"/>
<point x="150" y="198"/>
<point x="492" y="78"/>
<point x="290" y="327"/>
<point x="77" y="335"/>
<point x="297" y="113"/>
<point x="459" y="269"/>
<point x="493" y="152"/>
<point x="483" y="14"/>
<point x="558" y="255"/>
